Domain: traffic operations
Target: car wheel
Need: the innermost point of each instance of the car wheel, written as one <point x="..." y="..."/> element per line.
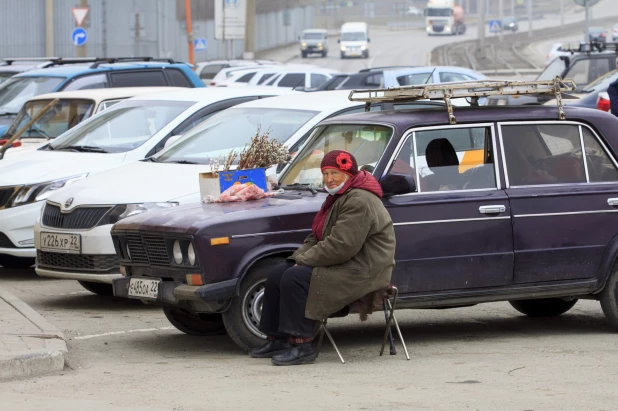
<point x="303" y="55"/>
<point x="97" y="288"/>
<point x="193" y="323"/>
<point x="9" y="261"/>
<point x="242" y="319"/>
<point x="545" y="307"/>
<point x="324" y="54"/>
<point x="609" y="300"/>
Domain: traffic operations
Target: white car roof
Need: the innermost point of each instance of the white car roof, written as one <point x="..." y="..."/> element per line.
<point x="102" y="94"/>
<point x="319" y="100"/>
<point x="210" y="94"/>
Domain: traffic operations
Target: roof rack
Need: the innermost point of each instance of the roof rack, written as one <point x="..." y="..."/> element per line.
<point x="97" y="61"/>
<point x="368" y="69"/>
<point x="467" y="89"/>
<point x="591" y="46"/>
<point x="10" y="60"/>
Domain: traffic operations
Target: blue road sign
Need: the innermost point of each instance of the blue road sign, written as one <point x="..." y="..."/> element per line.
<point x="79" y="36"/>
<point x="199" y="44"/>
<point x="495" y="26"/>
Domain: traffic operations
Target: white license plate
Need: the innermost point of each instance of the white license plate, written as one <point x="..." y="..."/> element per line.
<point x="145" y="288"/>
<point x="61" y="243"/>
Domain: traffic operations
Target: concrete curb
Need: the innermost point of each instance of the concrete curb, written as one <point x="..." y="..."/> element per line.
<point x="29" y="363"/>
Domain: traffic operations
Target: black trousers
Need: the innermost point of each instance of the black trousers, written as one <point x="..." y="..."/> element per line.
<point x="285" y="298"/>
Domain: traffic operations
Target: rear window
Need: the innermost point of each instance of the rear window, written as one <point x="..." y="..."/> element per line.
<point x="139" y="79"/>
<point x="210" y="71"/>
<point x="292" y="80"/>
<point x="177" y="78"/>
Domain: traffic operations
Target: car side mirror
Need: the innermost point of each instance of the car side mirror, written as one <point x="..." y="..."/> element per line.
<point x="171" y="141"/>
<point x="397" y="183"/>
<point x="338" y="40"/>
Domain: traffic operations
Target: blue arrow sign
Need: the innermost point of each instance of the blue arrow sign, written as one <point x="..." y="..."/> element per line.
<point x="495" y="26"/>
<point x="200" y="44"/>
<point x="79" y="36"/>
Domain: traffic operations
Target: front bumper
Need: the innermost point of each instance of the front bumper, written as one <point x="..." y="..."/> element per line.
<point x="17" y="225"/>
<point x="89" y="277"/>
<point x="209" y="298"/>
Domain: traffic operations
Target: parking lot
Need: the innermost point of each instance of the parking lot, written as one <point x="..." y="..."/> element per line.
<point x="125" y="355"/>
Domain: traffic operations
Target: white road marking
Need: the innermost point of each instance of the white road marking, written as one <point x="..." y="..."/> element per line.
<point x="139" y="330"/>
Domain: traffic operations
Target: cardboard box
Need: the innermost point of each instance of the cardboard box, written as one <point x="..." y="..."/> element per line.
<point x="256" y="176"/>
<point x="209" y="185"/>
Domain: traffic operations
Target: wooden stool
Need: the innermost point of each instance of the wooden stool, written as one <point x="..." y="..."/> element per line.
<point x="378" y="300"/>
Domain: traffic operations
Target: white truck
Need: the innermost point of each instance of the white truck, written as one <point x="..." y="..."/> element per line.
<point x="354" y="40"/>
<point x="444" y="17"/>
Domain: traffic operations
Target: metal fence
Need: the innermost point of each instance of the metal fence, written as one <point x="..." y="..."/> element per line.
<point x="137" y="28"/>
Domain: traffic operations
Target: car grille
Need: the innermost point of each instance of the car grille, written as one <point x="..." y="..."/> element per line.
<point x="5" y="242"/>
<point x="5" y="195"/>
<point x="147" y="249"/>
<point x="81" y="262"/>
<point x="80" y="218"/>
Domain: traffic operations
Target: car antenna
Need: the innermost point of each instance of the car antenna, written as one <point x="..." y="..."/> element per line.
<point x="299" y="83"/>
<point x="430" y="76"/>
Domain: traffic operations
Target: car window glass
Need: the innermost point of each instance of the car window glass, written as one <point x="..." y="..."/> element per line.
<point x="543" y="154"/>
<point x="376" y="80"/>
<point x="452" y="159"/>
<point x="273" y="80"/>
<point x="555" y="68"/>
<point x="446" y="77"/>
<point x="292" y="80"/>
<point x="209" y="71"/>
<point x="139" y="78"/>
<point x="415" y="79"/>
<point x="246" y="78"/>
<point x="579" y="72"/>
<point x="265" y="77"/>
<point x="16" y="91"/>
<point x="318" y="80"/>
<point x="600" y="166"/>
<point x="108" y="103"/>
<point x="598" y="67"/>
<point x="177" y="78"/>
<point x="88" y="83"/>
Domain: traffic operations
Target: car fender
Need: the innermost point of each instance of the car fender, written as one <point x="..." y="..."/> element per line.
<point x="607" y="263"/>
<point x="259" y="253"/>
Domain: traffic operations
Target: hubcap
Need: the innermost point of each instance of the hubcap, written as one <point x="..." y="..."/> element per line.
<point x="252" y="308"/>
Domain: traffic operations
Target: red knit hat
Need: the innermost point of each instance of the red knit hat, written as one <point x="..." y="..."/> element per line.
<point x="340" y="160"/>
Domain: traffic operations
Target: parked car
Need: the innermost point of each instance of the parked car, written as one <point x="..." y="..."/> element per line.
<point x="594" y="95"/>
<point x="72" y="108"/>
<point x="510" y="23"/>
<point x="75" y="74"/>
<point x="313" y="41"/>
<point x="135" y="129"/>
<point x="12" y="66"/>
<point x="465" y="235"/>
<point x="301" y="78"/>
<point x="597" y="35"/>
<point x="167" y="179"/>
<point x="207" y="70"/>
<point x="255" y="75"/>
<point x="615" y="33"/>
<point x="429" y="75"/>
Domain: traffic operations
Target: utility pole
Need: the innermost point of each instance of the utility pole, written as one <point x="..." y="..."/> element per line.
<point x="513" y="8"/>
<point x="189" y="31"/>
<point x="529" y="18"/>
<point x="249" y="53"/>
<point x="136" y="51"/>
<point x="481" y="27"/>
<point x="587" y="22"/>
<point x="49" y="28"/>
<point x="501" y="16"/>
<point x="82" y="51"/>
<point x="561" y="12"/>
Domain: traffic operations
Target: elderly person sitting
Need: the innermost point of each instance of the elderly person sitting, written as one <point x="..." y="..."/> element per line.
<point x="350" y="253"/>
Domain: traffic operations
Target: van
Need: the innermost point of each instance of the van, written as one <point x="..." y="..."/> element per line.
<point x="354" y="40"/>
<point x="313" y="41"/>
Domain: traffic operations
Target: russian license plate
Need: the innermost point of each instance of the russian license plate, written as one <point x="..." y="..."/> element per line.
<point x="144" y="288"/>
<point x="61" y="243"/>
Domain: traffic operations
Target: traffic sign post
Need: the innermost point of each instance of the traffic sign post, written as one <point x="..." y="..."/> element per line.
<point x="587" y="4"/>
<point x="79" y="14"/>
<point x="200" y="44"/>
<point x="495" y="26"/>
<point x="79" y="36"/>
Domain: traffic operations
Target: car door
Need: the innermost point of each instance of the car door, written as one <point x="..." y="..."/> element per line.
<point x="563" y="204"/>
<point x="454" y="231"/>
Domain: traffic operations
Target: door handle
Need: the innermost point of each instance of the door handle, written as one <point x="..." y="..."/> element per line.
<point x="495" y="209"/>
<point x="612" y="202"/>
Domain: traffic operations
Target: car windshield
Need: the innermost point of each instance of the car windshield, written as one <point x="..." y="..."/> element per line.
<point x="123" y="127"/>
<point x="63" y="116"/>
<point x="355" y="36"/>
<point x="231" y="130"/>
<point x="555" y="68"/>
<point x="16" y="91"/>
<point x="602" y="82"/>
<point x="439" y="12"/>
<point x="313" y="36"/>
<point x="365" y="142"/>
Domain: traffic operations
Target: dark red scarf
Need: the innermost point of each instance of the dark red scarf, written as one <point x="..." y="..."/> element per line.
<point x="362" y="180"/>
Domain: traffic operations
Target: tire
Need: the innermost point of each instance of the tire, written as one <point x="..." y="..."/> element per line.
<point x="303" y="55"/>
<point x="546" y="307"/>
<point x="203" y="325"/>
<point x="242" y="318"/>
<point x="609" y="300"/>
<point x="342" y="56"/>
<point x="9" y="261"/>
<point x="366" y="54"/>
<point x="97" y="288"/>
<point x="324" y="54"/>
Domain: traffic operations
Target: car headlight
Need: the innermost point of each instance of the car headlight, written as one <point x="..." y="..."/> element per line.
<point x="343" y="48"/>
<point x="191" y="254"/>
<point x="177" y="253"/>
<point x="363" y="48"/>
<point x="127" y="210"/>
<point x="319" y="44"/>
<point x="40" y="191"/>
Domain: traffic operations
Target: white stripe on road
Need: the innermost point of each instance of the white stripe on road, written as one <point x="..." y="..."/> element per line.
<point x="139" y="330"/>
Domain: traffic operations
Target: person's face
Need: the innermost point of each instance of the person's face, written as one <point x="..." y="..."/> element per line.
<point x="332" y="178"/>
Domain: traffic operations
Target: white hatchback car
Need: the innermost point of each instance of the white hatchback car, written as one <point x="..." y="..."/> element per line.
<point x="73" y="107"/>
<point x="73" y="238"/>
<point x="129" y="131"/>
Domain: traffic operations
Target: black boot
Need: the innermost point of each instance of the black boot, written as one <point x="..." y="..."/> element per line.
<point x="296" y="355"/>
<point x="269" y="349"/>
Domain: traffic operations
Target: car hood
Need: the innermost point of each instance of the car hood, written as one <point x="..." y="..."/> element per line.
<point x="354" y="43"/>
<point x="27" y="146"/>
<point x="292" y="211"/>
<point x="41" y="166"/>
<point x="138" y="182"/>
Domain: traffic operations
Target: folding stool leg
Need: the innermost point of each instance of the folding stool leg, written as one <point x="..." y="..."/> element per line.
<point x="321" y="332"/>
<point x="330" y="337"/>
<point x="405" y="349"/>
<point x="391" y="340"/>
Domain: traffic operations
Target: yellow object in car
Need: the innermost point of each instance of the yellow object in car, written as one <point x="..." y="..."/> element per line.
<point x="471" y="159"/>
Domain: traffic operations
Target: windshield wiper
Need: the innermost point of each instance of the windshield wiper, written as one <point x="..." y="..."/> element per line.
<point x="151" y="159"/>
<point x="7" y="114"/>
<point x="181" y="162"/>
<point x="84" y="149"/>
<point x="301" y="186"/>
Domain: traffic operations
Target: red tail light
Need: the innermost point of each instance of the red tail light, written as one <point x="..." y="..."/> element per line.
<point x="602" y="34"/>
<point x="603" y="103"/>
<point x="16" y="144"/>
<point x="3" y="142"/>
<point x="212" y="83"/>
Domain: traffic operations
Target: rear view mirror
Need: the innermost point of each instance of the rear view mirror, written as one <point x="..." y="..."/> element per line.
<point x="171" y="141"/>
<point x="397" y="183"/>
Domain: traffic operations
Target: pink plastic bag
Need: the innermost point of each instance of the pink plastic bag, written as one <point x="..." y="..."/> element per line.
<point x="242" y="192"/>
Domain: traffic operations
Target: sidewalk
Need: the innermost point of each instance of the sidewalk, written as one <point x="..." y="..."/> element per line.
<point x="29" y="345"/>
